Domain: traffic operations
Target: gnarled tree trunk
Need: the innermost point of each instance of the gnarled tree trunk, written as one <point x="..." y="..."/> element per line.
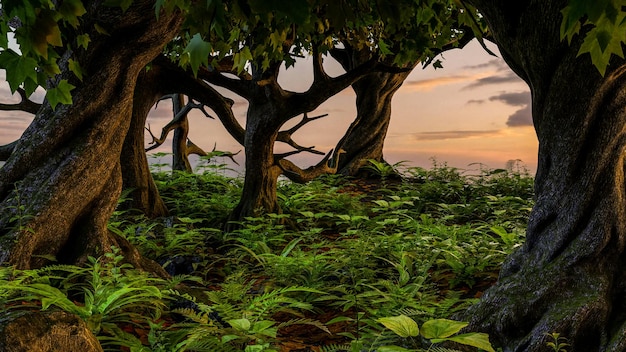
<point x="135" y="169"/>
<point x="261" y="172"/>
<point x="569" y="276"/>
<point x="365" y="138"/>
<point x="58" y="190"/>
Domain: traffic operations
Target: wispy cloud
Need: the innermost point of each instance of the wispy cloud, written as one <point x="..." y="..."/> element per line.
<point x="428" y="84"/>
<point x="445" y="135"/>
<point x="497" y="64"/>
<point x="499" y="78"/>
<point x="521" y="117"/>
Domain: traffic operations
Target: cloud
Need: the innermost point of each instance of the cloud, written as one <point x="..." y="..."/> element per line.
<point x="428" y="84"/>
<point x="507" y="77"/>
<point x="522" y="117"/>
<point x="498" y="64"/>
<point x="445" y="135"/>
<point x="513" y="98"/>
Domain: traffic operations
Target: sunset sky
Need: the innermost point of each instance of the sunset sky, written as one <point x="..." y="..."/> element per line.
<point x="474" y="110"/>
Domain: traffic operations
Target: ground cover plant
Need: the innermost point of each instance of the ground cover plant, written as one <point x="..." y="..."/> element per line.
<point x="349" y="265"/>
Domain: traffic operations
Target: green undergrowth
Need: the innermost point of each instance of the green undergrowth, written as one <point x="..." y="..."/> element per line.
<point x="349" y="265"/>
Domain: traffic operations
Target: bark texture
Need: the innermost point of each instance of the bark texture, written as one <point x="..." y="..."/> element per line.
<point x="135" y="169"/>
<point x="58" y="190"/>
<point x="569" y="276"/>
<point x="365" y="137"/>
<point x="47" y="332"/>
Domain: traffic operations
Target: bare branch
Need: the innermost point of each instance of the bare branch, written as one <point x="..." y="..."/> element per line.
<point x="286" y="137"/>
<point x="327" y="166"/>
<point x="193" y="148"/>
<point x="25" y="104"/>
<point x="176" y="122"/>
<point x="229" y="155"/>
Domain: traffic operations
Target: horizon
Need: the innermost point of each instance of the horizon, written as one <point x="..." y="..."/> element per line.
<point x="473" y="111"/>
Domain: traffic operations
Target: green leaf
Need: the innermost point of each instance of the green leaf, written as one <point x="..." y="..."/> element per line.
<point x="83" y="40"/>
<point x="441" y="328"/>
<point x="241" y="58"/>
<point x="100" y="29"/>
<point x="242" y="324"/>
<point x="198" y="52"/>
<point x="60" y="94"/>
<point x="74" y="66"/>
<point x="18" y="68"/>
<point x="71" y="10"/>
<point x="474" y="339"/>
<point x="384" y="48"/>
<point x="402" y="325"/>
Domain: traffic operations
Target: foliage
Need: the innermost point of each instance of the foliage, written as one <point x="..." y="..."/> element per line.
<point x="603" y="24"/>
<point x="343" y="258"/>
<point x="557" y="343"/>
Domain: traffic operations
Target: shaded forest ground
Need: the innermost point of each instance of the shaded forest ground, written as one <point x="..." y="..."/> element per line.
<point x="317" y="277"/>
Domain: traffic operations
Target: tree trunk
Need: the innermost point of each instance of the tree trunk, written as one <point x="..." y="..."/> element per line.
<point x="180" y="159"/>
<point x="58" y="190"/>
<point x="135" y="169"/>
<point x="569" y="276"/>
<point x="365" y="138"/>
<point x="261" y="172"/>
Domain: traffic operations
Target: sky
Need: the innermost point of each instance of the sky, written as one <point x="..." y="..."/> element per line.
<point x="472" y="113"/>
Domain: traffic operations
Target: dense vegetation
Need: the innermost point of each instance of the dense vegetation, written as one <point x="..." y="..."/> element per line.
<point x="349" y="264"/>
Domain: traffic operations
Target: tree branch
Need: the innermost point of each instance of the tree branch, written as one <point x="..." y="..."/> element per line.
<point x="25" y="104"/>
<point x="204" y="93"/>
<point x="176" y="122"/>
<point x="327" y="166"/>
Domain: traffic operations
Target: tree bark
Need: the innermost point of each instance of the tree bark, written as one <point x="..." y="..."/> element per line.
<point x="261" y="171"/>
<point x="180" y="157"/>
<point x="569" y="276"/>
<point x="136" y="173"/>
<point x="365" y="138"/>
<point x="58" y="190"/>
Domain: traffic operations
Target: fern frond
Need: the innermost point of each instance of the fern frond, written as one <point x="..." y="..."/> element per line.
<point x="336" y="348"/>
<point x="305" y="321"/>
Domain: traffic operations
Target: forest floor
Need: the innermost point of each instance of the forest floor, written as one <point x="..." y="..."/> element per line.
<point x="344" y="261"/>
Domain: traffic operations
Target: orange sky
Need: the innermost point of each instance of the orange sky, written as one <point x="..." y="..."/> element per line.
<point x="474" y="110"/>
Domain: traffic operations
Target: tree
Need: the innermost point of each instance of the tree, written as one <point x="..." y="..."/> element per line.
<point x="60" y="186"/>
<point x="568" y="276"/>
<point x="417" y="29"/>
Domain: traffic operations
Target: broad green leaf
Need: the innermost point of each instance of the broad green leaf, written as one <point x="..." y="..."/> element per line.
<point x="441" y="328"/>
<point x="242" y="324"/>
<point x="100" y="29"/>
<point x="71" y="10"/>
<point x="45" y="32"/>
<point x="474" y="339"/>
<point x="198" y="52"/>
<point x="60" y="94"/>
<point x="402" y="325"/>
<point x="18" y="68"/>
<point x="241" y="58"/>
<point x="83" y="40"/>
<point x="74" y="66"/>
<point x="384" y="48"/>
